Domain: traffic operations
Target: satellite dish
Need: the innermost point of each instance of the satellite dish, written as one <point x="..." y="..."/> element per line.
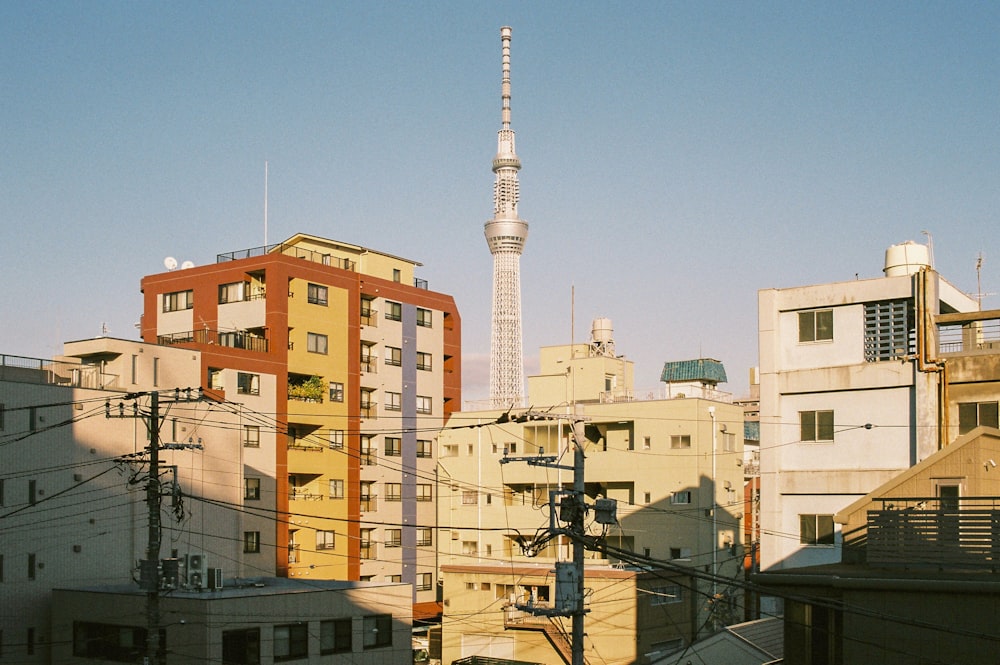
<point x="187" y="264"/>
<point x="170" y="263"/>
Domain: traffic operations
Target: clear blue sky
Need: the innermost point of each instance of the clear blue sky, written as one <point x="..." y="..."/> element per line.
<point x="677" y="156"/>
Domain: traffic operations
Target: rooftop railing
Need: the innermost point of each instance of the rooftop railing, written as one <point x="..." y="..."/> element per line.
<point x="289" y="250"/>
<point x="22" y="369"/>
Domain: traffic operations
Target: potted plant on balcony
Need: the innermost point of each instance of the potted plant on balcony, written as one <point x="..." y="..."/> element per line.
<point x="310" y="390"/>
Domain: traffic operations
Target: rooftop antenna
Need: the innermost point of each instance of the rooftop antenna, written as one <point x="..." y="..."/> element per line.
<point x="265" y="205"/>
<point x="979" y="282"/>
<point x="930" y="246"/>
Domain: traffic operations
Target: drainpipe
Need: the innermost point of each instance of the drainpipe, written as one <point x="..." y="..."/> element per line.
<point x="925" y="362"/>
<point x="715" y="527"/>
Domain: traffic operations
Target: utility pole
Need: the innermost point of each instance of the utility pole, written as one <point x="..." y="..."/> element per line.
<point x="149" y="568"/>
<point x="572" y="509"/>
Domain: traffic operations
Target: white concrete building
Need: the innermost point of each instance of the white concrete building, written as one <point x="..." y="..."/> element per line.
<point x="851" y="393"/>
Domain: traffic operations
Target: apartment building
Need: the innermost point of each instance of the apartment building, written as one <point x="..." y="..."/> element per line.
<point x="673" y="466"/>
<point x="74" y="452"/>
<point x="854" y="389"/>
<point x="365" y="358"/>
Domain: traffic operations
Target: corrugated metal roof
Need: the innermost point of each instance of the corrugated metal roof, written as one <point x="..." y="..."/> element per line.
<point x="703" y="369"/>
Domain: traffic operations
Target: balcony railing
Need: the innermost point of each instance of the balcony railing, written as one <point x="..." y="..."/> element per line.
<point x="369" y="317"/>
<point x="969" y="333"/>
<point x="369" y="365"/>
<point x="293" y="553"/>
<point x="935" y="532"/>
<point x="369" y="410"/>
<point x="303" y="495"/>
<point x="369" y="504"/>
<point x="20" y="369"/>
<point x="289" y="250"/>
<point x="232" y="339"/>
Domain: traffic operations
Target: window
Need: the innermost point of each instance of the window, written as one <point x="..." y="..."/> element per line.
<point x="241" y="647"/>
<point x="251" y="436"/>
<point x="2" y="414"/>
<point x="178" y="300"/>
<point x="251" y="489"/>
<point x="393" y="356"/>
<point x="316" y="343"/>
<point x="368" y="449"/>
<point x="336" y="439"/>
<point x="423" y="404"/>
<point x="393" y="446"/>
<point x="680" y="552"/>
<point x="397" y="274"/>
<point x="335" y="636"/>
<point x="424" y="537"/>
<point x="233" y="292"/>
<point x="680" y="441"/>
<point x="336" y="391"/>
<point x="975" y="414"/>
<point x="647" y="497"/>
<point x="251" y="542"/>
<point x="423" y="361"/>
<point x="816" y="529"/>
<point x="247" y="384"/>
<point x="728" y="442"/>
<point x="393" y="311"/>
<point x="102" y="641"/>
<point x="816" y="325"/>
<point x="425" y="581"/>
<point x="470" y="497"/>
<point x="424" y="492"/>
<point x="393" y="491"/>
<point x="377" y="631"/>
<point x="393" y="537"/>
<point x="666" y="595"/>
<point x="816" y="425"/>
<point x="681" y="497"/>
<point x="291" y="641"/>
<point x="424" y="448"/>
<point x="647" y="442"/>
<point x="425" y="318"/>
<point x="367" y="311"/>
<point x="889" y="330"/>
<point x="367" y="551"/>
<point x="394" y="578"/>
<point x="32" y="492"/>
<point x="215" y="379"/>
<point x="336" y="488"/>
<point x="316" y="294"/>
<point x="135" y="369"/>
<point x="32" y="566"/>
<point x="325" y="540"/>
<point x="393" y="401"/>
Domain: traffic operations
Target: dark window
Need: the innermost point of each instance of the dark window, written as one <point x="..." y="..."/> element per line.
<point x="975" y="414"/>
<point x="251" y="436"/>
<point x="291" y="641"/>
<point x="121" y="644"/>
<point x="241" y="647"/>
<point x="317" y="294"/>
<point x="816" y="529"/>
<point x="335" y="636"/>
<point x="424" y="317"/>
<point x="316" y="343"/>
<point x="393" y="356"/>
<point x="178" y="300"/>
<point x="251" y="489"/>
<point x="816" y="325"/>
<point x="336" y="391"/>
<point x="377" y="631"/>
<point x="816" y="425"/>
<point x="251" y="542"/>
<point x="393" y="446"/>
<point x="247" y="384"/>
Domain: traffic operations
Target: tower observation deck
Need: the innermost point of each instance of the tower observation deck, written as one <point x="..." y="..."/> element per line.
<point x="505" y="235"/>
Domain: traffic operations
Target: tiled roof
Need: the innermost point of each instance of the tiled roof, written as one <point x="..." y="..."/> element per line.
<point x="703" y="369"/>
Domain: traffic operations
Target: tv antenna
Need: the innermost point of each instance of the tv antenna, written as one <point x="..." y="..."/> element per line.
<point x="979" y="282"/>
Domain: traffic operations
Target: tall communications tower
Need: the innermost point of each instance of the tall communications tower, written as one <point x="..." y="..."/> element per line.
<point x="506" y="234"/>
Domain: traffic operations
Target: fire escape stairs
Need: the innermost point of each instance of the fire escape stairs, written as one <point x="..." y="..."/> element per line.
<point x="553" y="631"/>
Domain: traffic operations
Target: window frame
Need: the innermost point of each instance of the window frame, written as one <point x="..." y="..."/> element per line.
<point x="172" y="301"/>
<point x="393" y="537"/>
<point x="297" y="641"/>
<point x="394" y="492"/>
<point x="425" y="317"/>
<point x="393" y="401"/>
<point x="680" y="441"/>
<point x="247" y="383"/>
<point x="380" y="627"/>
<point x="251" y="488"/>
<point x="317" y="343"/>
<point x="251" y="436"/>
<point x="425" y="361"/>
<point x="811" y="329"/>
<point x="392" y="446"/>
<point x="425" y="448"/>
<point x="992" y="415"/>
<point x="425" y="536"/>
<point x="425" y="492"/>
<point x="251" y="542"/>
<point x="817" y="426"/>
<point x="317" y="294"/>
<point x="393" y="311"/>
<point x="393" y="356"/>
<point x="338" y="634"/>
<point x="425" y="405"/>
<point x="813" y="535"/>
<point x="335" y="488"/>
<point x="326" y="539"/>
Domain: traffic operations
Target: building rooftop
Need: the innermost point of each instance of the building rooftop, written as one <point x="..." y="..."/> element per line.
<point x="702" y="369"/>
<point x="243" y="588"/>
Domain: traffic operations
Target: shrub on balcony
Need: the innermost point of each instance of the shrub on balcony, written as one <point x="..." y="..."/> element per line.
<point x="310" y="390"/>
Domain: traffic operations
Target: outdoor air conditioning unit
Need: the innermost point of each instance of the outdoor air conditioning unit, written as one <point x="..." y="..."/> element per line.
<point x="197" y="571"/>
<point x="215" y="579"/>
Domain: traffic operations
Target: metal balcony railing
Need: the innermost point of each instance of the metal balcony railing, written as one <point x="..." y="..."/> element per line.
<point x="237" y="339"/>
<point x="289" y="250"/>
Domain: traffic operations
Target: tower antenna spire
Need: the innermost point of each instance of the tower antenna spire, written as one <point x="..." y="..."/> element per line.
<point x="505" y="235"/>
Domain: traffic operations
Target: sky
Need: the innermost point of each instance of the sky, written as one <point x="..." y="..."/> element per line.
<point x="677" y="157"/>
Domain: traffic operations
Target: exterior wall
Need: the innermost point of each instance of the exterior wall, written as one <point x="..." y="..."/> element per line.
<point x="428" y="386"/>
<point x="196" y="622"/>
<point x="886" y="415"/>
<point x="489" y="509"/>
<point x="624" y="623"/>
<point x="84" y="522"/>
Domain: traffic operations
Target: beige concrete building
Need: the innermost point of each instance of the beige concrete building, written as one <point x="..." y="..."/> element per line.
<point x="854" y="389"/>
<point x="72" y="487"/>
<point x="256" y="621"/>
<point x="674" y="466"/>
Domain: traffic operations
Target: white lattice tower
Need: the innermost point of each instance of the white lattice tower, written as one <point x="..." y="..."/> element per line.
<point x="505" y="234"/>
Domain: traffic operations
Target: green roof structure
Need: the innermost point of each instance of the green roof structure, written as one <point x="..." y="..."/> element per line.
<point x="706" y="370"/>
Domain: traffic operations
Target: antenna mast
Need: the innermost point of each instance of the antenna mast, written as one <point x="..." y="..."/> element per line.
<point x="265" y="205"/>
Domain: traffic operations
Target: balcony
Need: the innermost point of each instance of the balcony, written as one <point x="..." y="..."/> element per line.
<point x="289" y="250"/>
<point x="369" y="317"/>
<point x="369" y="504"/>
<point x="969" y="333"/>
<point x="301" y="494"/>
<point x="931" y="532"/>
<point x="239" y="339"/>
<point x="20" y="369"/>
<point x="369" y="365"/>
<point x="369" y="410"/>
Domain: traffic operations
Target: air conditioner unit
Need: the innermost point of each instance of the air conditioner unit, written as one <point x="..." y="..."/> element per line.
<point x="215" y="578"/>
<point x="197" y="571"/>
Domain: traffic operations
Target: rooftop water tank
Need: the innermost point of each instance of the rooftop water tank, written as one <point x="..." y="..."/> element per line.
<point x="906" y="259"/>
<point x="601" y="331"/>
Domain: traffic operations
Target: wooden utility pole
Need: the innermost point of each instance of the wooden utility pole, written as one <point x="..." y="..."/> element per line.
<point x="153" y="543"/>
